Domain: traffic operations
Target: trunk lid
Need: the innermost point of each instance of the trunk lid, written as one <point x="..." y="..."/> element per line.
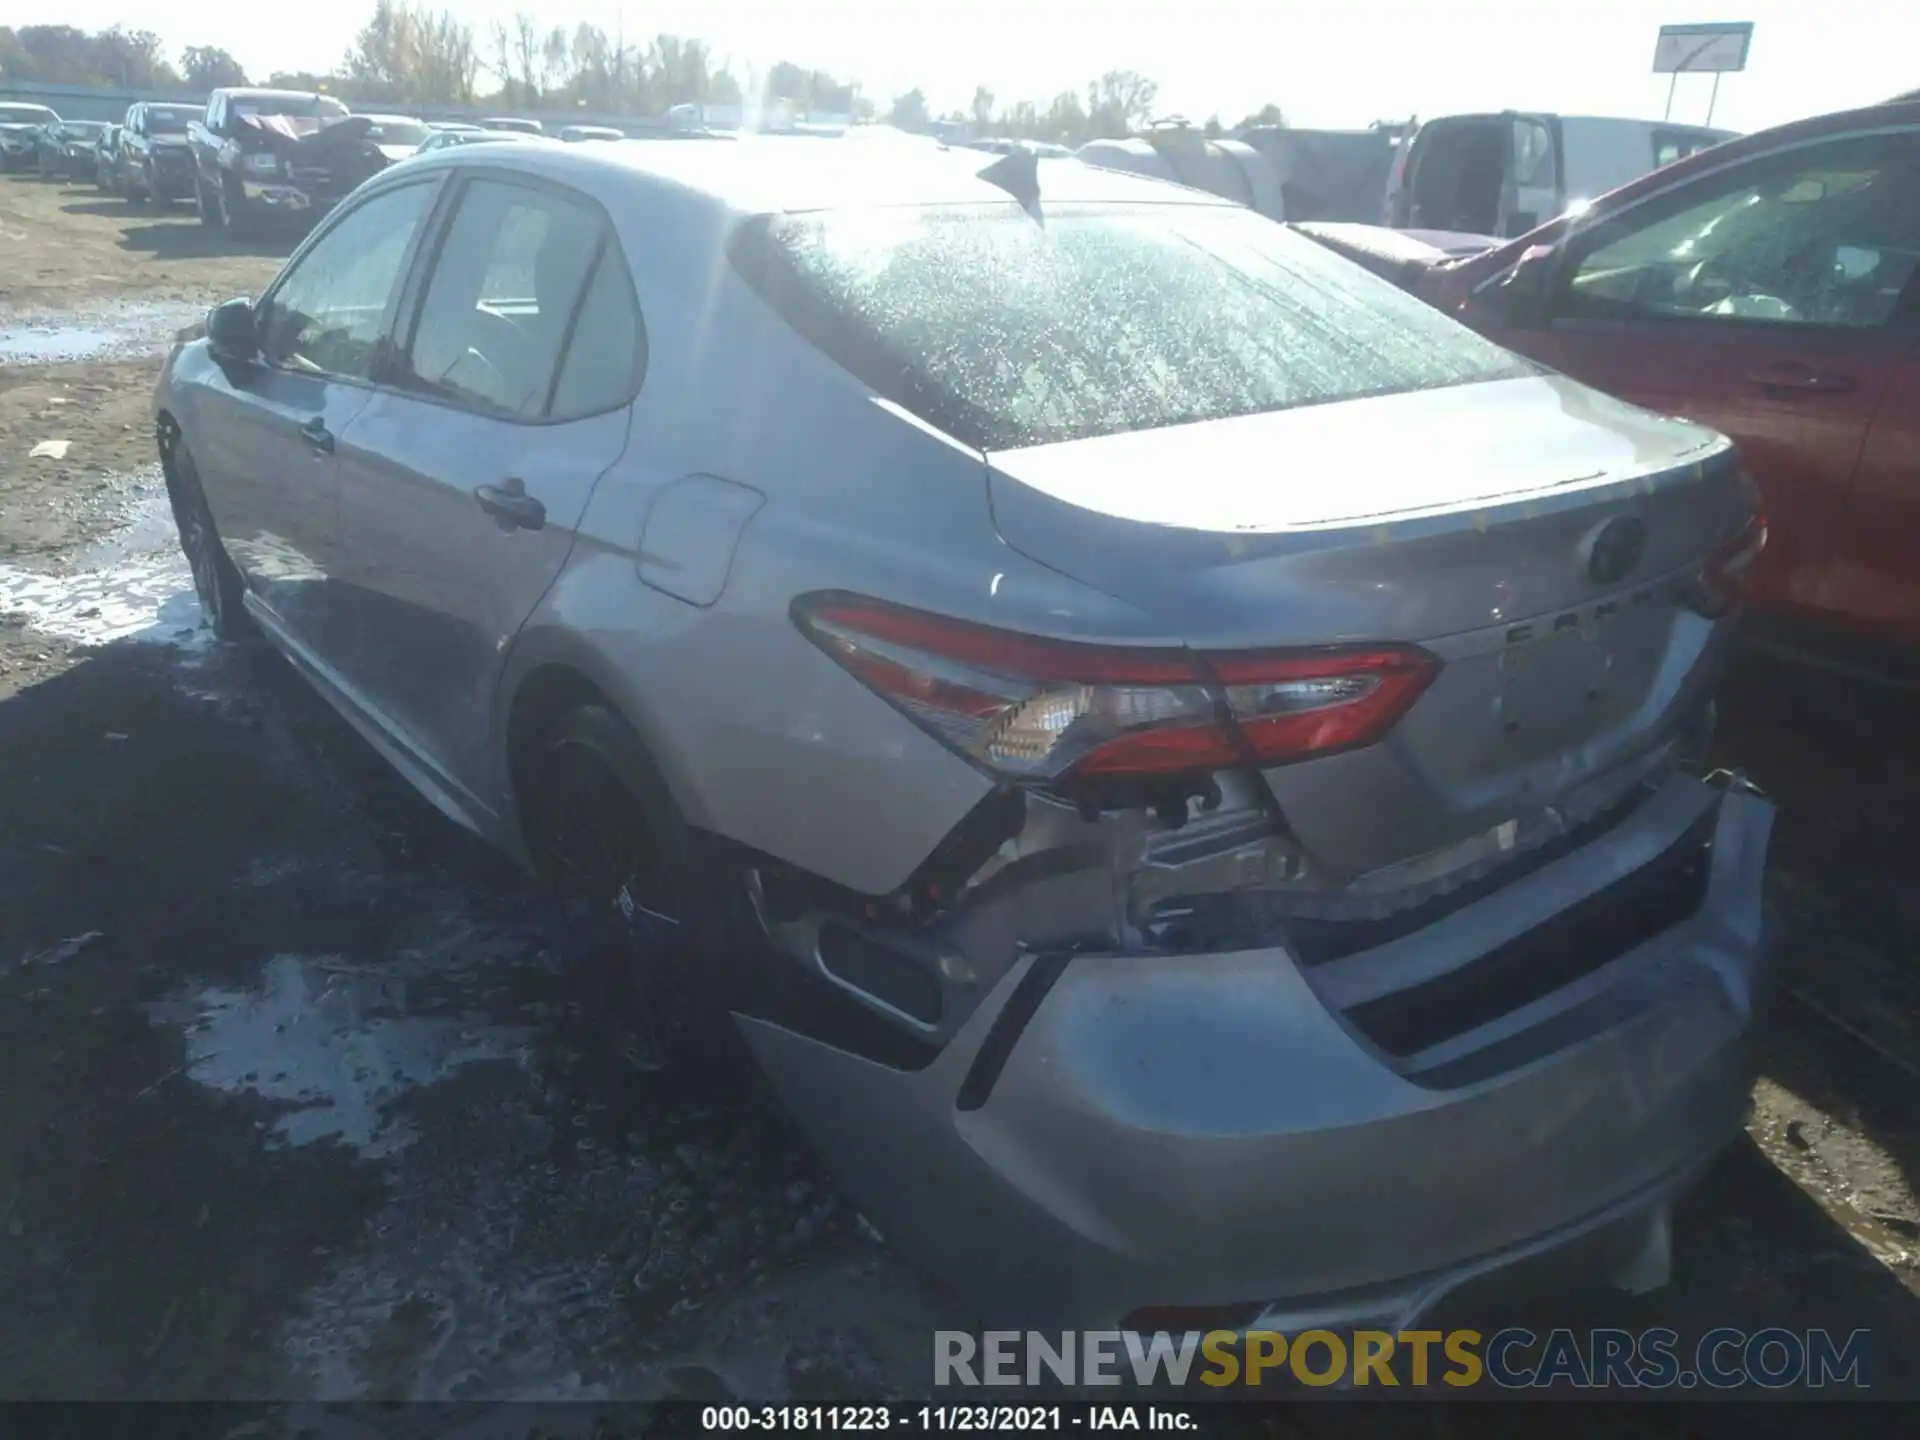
<point x="1463" y="519"/>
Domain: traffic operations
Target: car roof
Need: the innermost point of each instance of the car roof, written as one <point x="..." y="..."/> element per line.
<point x="255" y="92"/>
<point x="769" y="174"/>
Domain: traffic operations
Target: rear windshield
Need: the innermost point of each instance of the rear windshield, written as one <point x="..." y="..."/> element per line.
<point x="297" y="107"/>
<point x="26" y="115"/>
<point x="168" y="122"/>
<point x="1004" y="332"/>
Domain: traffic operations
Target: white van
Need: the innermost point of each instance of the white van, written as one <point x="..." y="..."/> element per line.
<point x="1504" y="174"/>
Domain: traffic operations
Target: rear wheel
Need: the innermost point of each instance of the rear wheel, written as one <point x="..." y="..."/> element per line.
<point x="236" y="215"/>
<point x="216" y="580"/>
<point x="605" y="836"/>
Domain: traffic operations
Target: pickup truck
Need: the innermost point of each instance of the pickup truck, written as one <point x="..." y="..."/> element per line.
<point x="262" y="157"/>
<point x="155" y="161"/>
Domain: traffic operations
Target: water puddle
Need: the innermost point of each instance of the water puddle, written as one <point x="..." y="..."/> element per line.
<point x="120" y="332"/>
<point x="337" y="1045"/>
<point x="135" y="586"/>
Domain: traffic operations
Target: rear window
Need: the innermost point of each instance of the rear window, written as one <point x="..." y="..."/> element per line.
<point x="1006" y="332"/>
<point x="297" y="107"/>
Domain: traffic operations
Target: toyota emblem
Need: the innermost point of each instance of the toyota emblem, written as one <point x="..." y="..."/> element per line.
<point x="1615" y="548"/>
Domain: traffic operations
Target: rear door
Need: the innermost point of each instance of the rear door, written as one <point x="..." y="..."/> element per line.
<point x="466" y="481"/>
<point x="1873" y="576"/>
<point x="268" y="434"/>
<point x="1765" y="300"/>
<point x="1532" y="195"/>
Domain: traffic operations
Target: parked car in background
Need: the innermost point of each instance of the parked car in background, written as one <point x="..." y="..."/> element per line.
<point x="20" y="127"/>
<point x="69" y="149"/>
<point x="106" y="161"/>
<point x="156" y="159"/>
<point x="1185" y="155"/>
<point x="575" y="134"/>
<point x="448" y="139"/>
<point x="396" y="136"/>
<point x="264" y="157"/>
<point x="1768" y="287"/>
<point x="1156" y="875"/>
<point x="1328" y="174"/>
<point x="1503" y="174"/>
<point x="453" y="125"/>
<point x="508" y="122"/>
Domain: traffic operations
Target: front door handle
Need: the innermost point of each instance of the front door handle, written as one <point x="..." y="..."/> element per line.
<point x="1790" y="377"/>
<point x="509" y="503"/>
<point x="319" y="439"/>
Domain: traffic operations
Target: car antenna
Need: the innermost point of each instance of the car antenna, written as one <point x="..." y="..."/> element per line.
<point x="1018" y="173"/>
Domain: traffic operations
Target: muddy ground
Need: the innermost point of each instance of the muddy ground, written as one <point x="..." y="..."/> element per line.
<point x="302" y="1095"/>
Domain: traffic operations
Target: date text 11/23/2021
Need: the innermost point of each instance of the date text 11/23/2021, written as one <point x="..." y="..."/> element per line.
<point x="918" y="1419"/>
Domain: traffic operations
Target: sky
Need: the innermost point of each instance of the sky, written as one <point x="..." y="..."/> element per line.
<point x="1341" y="63"/>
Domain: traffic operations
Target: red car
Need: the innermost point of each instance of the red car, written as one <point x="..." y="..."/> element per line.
<point x="1768" y="287"/>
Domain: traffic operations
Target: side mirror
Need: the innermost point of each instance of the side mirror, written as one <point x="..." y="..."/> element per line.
<point x="1520" y="296"/>
<point x="231" y="332"/>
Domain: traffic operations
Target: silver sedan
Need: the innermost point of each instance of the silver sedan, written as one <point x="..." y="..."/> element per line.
<point x="1183" y="763"/>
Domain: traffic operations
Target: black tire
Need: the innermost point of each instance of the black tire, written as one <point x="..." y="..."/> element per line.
<point x="209" y="216"/>
<point x="604" y="833"/>
<point x="216" y="580"/>
<point x="237" y="217"/>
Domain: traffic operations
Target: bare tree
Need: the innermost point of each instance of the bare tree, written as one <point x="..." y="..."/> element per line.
<point x="1120" y="102"/>
<point x="207" y="67"/>
<point x="407" y="53"/>
<point x="982" y="107"/>
<point x="910" y="110"/>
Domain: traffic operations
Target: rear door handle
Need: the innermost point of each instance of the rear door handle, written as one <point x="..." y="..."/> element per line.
<point x="1789" y="377"/>
<point x="319" y="439"/>
<point x="509" y="503"/>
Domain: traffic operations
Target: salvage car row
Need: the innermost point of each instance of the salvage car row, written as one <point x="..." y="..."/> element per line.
<point x="247" y="158"/>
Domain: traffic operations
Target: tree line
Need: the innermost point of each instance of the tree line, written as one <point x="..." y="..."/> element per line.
<point x="409" y="53"/>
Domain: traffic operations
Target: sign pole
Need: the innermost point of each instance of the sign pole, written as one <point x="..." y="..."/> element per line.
<point x="1672" y="80"/>
<point x="1712" y="99"/>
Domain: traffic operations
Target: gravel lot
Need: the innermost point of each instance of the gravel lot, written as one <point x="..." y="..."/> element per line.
<point x="303" y="1096"/>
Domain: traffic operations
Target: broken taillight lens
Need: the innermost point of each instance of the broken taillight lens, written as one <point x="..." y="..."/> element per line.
<point x="1029" y="708"/>
<point x="1724" y="576"/>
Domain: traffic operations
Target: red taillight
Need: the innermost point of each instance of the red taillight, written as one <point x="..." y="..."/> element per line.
<point x="1037" y="709"/>
<point x="1724" y="576"/>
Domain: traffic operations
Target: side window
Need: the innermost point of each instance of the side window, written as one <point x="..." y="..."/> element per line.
<point x="1822" y="235"/>
<point x="1533" y="167"/>
<point x="327" y="314"/>
<point x="606" y="356"/>
<point x="502" y="296"/>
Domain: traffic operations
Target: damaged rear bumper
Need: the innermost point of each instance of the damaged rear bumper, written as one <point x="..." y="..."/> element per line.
<point x="1352" y="1138"/>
